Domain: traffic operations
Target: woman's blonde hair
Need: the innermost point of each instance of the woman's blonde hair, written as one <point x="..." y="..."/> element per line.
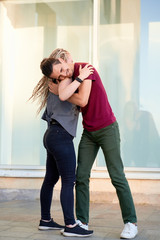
<point x="41" y="90"/>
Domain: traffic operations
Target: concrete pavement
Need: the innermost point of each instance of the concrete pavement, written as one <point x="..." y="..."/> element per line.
<point x="19" y="221"/>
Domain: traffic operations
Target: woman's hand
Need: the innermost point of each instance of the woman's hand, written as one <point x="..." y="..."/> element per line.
<point x="85" y="71"/>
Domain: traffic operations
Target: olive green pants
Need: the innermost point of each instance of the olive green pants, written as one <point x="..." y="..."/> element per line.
<point x="108" y="139"/>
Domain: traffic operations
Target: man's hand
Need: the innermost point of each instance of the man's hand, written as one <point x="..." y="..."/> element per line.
<point x="53" y="88"/>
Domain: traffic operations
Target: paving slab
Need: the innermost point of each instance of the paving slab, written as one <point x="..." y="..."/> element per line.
<point x="19" y="221"/>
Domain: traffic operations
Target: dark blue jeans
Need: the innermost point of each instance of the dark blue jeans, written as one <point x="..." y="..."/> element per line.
<point x="61" y="162"/>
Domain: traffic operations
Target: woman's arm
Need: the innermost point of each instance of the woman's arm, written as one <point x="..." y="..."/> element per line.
<point x="81" y="98"/>
<point x="67" y="87"/>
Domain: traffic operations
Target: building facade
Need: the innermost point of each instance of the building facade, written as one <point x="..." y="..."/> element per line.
<point x="121" y="38"/>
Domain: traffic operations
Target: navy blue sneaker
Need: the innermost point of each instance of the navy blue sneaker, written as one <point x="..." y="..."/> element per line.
<point x="77" y="231"/>
<point x="51" y="225"/>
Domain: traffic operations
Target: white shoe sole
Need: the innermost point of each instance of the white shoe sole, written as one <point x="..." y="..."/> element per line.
<point x="49" y="228"/>
<point x="66" y="234"/>
<point x="128" y="237"/>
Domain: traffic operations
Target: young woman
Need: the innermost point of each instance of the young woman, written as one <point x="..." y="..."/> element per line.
<point x="62" y="117"/>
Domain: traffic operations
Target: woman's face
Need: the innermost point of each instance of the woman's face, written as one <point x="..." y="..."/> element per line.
<point x="62" y="70"/>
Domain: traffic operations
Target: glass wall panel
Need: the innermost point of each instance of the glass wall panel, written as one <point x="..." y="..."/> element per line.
<point x="30" y="31"/>
<point x="123" y="42"/>
<point x="129" y="47"/>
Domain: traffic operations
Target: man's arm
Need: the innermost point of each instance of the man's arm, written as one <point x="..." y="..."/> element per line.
<point x="81" y="98"/>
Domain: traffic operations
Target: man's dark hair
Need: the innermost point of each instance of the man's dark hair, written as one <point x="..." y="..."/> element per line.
<point x="47" y="65"/>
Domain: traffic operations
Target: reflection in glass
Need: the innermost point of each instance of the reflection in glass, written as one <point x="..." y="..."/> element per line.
<point x="30" y="31"/>
<point x="129" y="71"/>
<point x="128" y="50"/>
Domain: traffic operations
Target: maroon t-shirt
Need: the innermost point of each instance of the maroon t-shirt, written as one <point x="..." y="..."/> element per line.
<point x="97" y="113"/>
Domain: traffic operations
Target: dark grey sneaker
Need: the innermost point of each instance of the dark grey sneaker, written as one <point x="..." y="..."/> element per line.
<point x="49" y="225"/>
<point x="77" y="231"/>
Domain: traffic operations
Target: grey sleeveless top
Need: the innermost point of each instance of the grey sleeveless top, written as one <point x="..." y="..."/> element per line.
<point x="63" y="112"/>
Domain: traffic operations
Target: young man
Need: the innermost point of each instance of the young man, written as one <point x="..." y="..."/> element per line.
<point x="100" y="130"/>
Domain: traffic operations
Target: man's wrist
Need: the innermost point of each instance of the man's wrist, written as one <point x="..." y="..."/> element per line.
<point x="79" y="79"/>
